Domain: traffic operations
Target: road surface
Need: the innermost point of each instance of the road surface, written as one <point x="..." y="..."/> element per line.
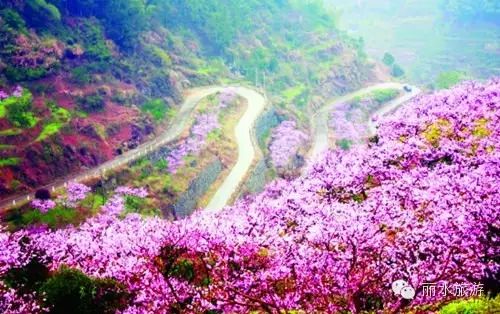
<point x="321" y="117"/>
<point x="246" y="149"/>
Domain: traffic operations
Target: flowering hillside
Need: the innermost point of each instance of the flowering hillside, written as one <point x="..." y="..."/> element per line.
<point x="286" y="141"/>
<point x="421" y="204"/>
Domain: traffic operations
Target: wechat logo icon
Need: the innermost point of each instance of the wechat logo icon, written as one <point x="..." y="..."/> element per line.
<point x="402" y="288"/>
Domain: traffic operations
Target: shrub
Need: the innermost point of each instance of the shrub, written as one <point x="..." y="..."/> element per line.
<point x="384" y="95"/>
<point x="28" y="277"/>
<point x="157" y="108"/>
<point x="344" y="144"/>
<point x="39" y="12"/>
<point x="80" y="75"/>
<point x="71" y="291"/>
<point x="13" y="20"/>
<point x="54" y="218"/>
<point x="19" y="110"/>
<point x="91" y="103"/>
<point x="94" y="44"/>
<point x="17" y="74"/>
<point x="397" y="71"/>
<point x="11" y="161"/>
<point x="42" y="194"/>
<point x="49" y="130"/>
<point x="388" y="59"/>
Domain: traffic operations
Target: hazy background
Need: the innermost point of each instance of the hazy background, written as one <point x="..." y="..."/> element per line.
<point x="428" y="37"/>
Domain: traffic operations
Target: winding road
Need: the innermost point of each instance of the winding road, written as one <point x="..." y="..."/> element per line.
<point x="246" y="148"/>
<point x="320" y="117"/>
<point x="244" y="136"/>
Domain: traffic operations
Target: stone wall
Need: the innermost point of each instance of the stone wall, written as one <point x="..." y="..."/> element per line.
<point x="186" y="203"/>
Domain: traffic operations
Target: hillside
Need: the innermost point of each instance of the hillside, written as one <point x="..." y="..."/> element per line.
<point x="420" y="203"/>
<point x="428" y="37"/>
<point x="81" y="83"/>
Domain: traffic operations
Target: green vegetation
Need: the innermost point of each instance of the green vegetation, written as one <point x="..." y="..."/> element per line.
<point x="81" y="75"/>
<point x="388" y="59"/>
<point x="122" y="20"/>
<point x="41" y="13"/>
<point x="139" y="205"/>
<point x="163" y="57"/>
<point x="19" y="74"/>
<point x="13" y="20"/>
<point x="91" y="103"/>
<point x="94" y="45"/>
<point x="344" y="144"/>
<point x="161" y="164"/>
<point x="291" y="93"/>
<point x="157" y="108"/>
<point x="60" y="117"/>
<point x="448" y="79"/>
<point x="11" y="161"/>
<point x="9" y="132"/>
<point x="49" y="129"/>
<point x="71" y="291"/>
<point x="67" y="290"/>
<point x="6" y="146"/>
<point x="3" y="109"/>
<point x="384" y="95"/>
<point x="94" y="201"/>
<point x="18" y="110"/>
<point x="54" y="218"/>
<point x="397" y="71"/>
<point x="472" y="306"/>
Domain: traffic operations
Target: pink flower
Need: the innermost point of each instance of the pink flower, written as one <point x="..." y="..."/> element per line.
<point x="43" y="205"/>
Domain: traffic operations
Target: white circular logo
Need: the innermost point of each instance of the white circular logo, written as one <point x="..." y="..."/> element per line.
<point x="408" y="293"/>
<point x="401" y="287"/>
<point x="398" y="285"/>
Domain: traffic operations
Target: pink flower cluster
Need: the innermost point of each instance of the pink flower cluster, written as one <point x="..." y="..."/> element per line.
<point x="421" y="204"/>
<point x="18" y="92"/>
<point x="76" y="192"/>
<point x="348" y="121"/>
<point x="205" y="123"/>
<point x="3" y="95"/>
<point x="226" y="97"/>
<point x="43" y="205"/>
<point x="138" y="192"/>
<point x="286" y="140"/>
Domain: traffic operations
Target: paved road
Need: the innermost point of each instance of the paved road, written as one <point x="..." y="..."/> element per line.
<point x="246" y="149"/>
<point x="390" y="107"/>
<point x="243" y="132"/>
<point x="321" y="117"/>
<point x="256" y="101"/>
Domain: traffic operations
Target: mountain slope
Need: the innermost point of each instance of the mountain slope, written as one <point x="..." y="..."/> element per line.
<point x="420" y="204"/>
<point x="102" y="77"/>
